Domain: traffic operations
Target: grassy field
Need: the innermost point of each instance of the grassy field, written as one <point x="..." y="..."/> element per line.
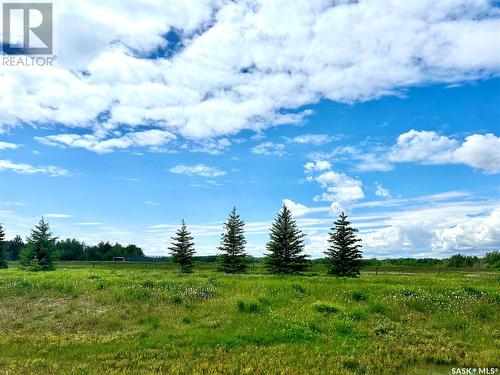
<point x="102" y="320"/>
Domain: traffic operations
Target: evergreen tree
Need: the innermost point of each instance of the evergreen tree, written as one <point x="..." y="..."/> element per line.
<point x="286" y="245"/>
<point x="38" y="254"/>
<point x="233" y="245"/>
<point x="15" y="247"/>
<point x="344" y="251"/>
<point x="3" y="253"/>
<point x="182" y="249"/>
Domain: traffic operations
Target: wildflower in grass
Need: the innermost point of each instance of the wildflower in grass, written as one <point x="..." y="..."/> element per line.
<point x="233" y="245"/>
<point x="38" y="254"/>
<point x="182" y="249"/>
<point x="286" y="245"/>
<point x="3" y="255"/>
<point x="344" y="251"/>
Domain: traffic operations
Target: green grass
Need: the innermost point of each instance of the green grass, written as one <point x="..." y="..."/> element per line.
<point x="156" y="321"/>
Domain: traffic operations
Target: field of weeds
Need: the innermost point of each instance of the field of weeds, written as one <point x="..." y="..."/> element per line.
<point x="154" y="321"/>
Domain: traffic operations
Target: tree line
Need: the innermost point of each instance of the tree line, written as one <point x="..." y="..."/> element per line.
<point x="285" y="248"/>
<point x="42" y="249"/>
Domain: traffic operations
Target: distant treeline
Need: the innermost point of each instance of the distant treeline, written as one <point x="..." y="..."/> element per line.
<point x="490" y="260"/>
<point x="72" y="249"/>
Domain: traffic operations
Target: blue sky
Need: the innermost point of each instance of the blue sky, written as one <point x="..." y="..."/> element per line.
<point x="120" y="141"/>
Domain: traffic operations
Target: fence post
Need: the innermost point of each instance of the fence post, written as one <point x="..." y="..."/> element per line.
<point x="438" y="270"/>
<point x="376" y="271"/>
<point x="93" y="264"/>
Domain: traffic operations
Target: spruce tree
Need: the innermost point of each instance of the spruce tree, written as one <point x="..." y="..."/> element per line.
<point x="286" y="245"/>
<point x="3" y="254"/>
<point x="344" y="251"/>
<point x="182" y="249"/>
<point x="15" y="247"/>
<point x="38" y="254"/>
<point x="233" y="245"/>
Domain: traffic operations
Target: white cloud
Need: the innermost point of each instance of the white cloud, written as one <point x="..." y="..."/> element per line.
<point x="423" y="147"/>
<point x="23" y="168"/>
<point x="8" y="145"/>
<point x="57" y="216"/>
<point x="313" y="139"/>
<point x="426" y="147"/>
<point x="153" y="138"/>
<point x="299" y="210"/>
<point x="341" y="190"/>
<point x="437" y="230"/>
<point x="238" y="65"/>
<point x="269" y="149"/>
<point x="374" y="158"/>
<point x="151" y="203"/>
<point x="481" y="152"/>
<point x="396" y="202"/>
<point x="317" y="166"/>
<point x="198" y="169"/>
<point x="211" y="146"/>
<point x="380" y="191"/>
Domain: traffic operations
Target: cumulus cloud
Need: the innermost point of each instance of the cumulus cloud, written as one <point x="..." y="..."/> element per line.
<point x="23" y="168"/>
<point x="312" y="139"/>
<point x="299" y="210"/>
<point x="437" y="231"/>
<point x="8" y="145"/>
<point x="198" y="169"/>
<point x="233" y="68"/>
<point x="269" y="149"/>
<point x="427" y="147"/>
<point x="317" y="166"/>
<point x="339" y="189"/>
<point x="479" y="151"/>
<point x="380" y="191"/>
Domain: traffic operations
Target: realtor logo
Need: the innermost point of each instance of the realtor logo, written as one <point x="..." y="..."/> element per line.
<point x="27" y="28"/>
